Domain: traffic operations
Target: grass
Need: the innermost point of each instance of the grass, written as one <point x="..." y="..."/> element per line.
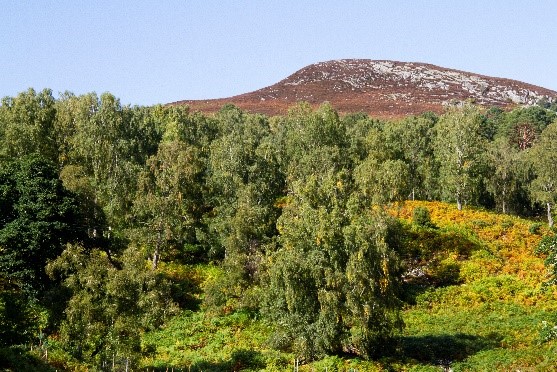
<point x="198" y="342"/>
<point x="479" y="305"/>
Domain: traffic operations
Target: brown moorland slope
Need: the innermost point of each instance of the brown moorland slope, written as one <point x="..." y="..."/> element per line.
<point x="380" y="88"/>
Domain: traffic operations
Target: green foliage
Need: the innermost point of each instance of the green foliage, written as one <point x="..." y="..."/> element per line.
<point x="495" y="335"/>
<point x="26" y="125"/>
<point x="523" y="126"/>
<point x="383" y="182"/>
<point x="109" y="145"/>
<point x="548" y="247"/>
<point x="196" y="341"/>
<point x="313" y="142"/>
<point x="110" y="307"/>
<point x="534" y="228"/>
<point x="421" y="217"/>
<point x="491" y="318"/>
<point x="411" y="141"/>
<point x="168" y="197"/>
<point x="18" y="358"/>
<point x="37" y="218"/>
<point x="503" y="182"/>
<point x="543" y="157"/>
<point x="18" y="317"/>
<point x="458" y="149"/>
<point x="548" y="331"/>
<point x="244" y="183"/>
<point x="322" y="253"/>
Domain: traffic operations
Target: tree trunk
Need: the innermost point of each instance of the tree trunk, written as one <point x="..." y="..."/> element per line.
<point x="155" y="258"/>
<point x="549" y="216"/>
<point x="156" y="253"/>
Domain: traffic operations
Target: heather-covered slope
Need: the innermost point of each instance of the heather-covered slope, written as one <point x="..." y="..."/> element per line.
<point x="381" y="89"/>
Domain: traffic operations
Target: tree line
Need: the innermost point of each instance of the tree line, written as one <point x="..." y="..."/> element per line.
<point x="95" y="195"/>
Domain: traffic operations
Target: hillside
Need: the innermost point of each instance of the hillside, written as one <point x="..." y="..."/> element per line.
<point x="381" y="89"/>
<point x="477" y="302"/>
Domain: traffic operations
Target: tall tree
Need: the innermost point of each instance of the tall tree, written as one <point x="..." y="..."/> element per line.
<point x="18" y="314"/>
<point x="332" y="283"/>
<point x="459" y="146"/>
<point x="38" y="216"/>
<point x="244" y="183"/>
<point x="523" y="125"/>
<point x="383" y="182"/>
<point x="104" y="145"/>
<point x="502" y="181"/>
<point x="313" y="142"/>
<point x="543" y="157"/>
<point x="26" y="125"/>
<point x="410" y="140"/>
<point x="109" y="307"/>
<point x="168" y="203"/>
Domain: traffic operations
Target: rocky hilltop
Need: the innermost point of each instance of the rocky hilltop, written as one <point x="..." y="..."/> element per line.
<point x="382" y="89"/>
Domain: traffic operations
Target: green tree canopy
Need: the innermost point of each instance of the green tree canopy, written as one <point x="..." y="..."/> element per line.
<point x="38" y="217"/>
<point x="27" y="125"/>
<point x="332" y="282"/>
<point x="543" y="157"/>
<point x="109" y="307"/>
<point x="459" y="147"/>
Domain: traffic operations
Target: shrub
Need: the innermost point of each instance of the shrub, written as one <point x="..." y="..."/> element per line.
<point x="507" y="224"/>
<point x="548" y="331"/>
<point x="421" y="217"/>
<point x="548" y="246"/>
<point x="329" y="363"/>
<point x="535" y="228"/>
<point x="446" y="273"/>
<point x="17" y="358"/>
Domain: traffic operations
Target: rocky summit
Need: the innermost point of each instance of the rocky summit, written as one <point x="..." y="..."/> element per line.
<point x="382" y="89"/>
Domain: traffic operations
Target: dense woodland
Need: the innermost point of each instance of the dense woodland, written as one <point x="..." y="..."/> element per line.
<point x="293" y="215"/>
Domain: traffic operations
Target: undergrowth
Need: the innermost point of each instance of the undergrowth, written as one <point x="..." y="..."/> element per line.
<point x="475" y="300"/>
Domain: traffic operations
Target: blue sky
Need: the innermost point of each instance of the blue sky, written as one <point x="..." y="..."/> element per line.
<point x="148" y="52"/>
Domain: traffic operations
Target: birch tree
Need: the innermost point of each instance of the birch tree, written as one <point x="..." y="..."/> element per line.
<point x="543" y="158"/>
<point x="458" y="149"/>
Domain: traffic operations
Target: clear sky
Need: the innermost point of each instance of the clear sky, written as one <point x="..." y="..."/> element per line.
<point x="148" y="52"/>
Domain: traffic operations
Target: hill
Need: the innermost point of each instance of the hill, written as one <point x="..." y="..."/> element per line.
<point x="381" y="89"/>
